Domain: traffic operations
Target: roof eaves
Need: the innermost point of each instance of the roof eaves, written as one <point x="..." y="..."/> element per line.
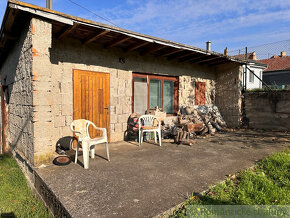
<point x="70" y="20"/>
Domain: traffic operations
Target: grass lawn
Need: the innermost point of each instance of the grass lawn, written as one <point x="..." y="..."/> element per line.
<point x="268" y="183"/>
<point x="16" y="198"/>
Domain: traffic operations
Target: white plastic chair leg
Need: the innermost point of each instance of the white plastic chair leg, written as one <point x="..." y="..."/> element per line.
<point x="86" y="152"/>
<point x="159" y="135"/>
<point x="142" y="135"/>
<point x="155" y="136"/>
<point x="107" y="149"/>
<point x="77" y="149"/>
<point x="93" y="152"/>
<point x="140" y="138"/>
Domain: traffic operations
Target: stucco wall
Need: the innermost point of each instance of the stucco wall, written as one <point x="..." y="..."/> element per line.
<point x="228" y="93"/>
<point x="268" y="110"/>
<point x="16" y="72"/>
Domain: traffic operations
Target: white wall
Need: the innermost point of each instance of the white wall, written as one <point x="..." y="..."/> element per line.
<point x="256" y="83"/>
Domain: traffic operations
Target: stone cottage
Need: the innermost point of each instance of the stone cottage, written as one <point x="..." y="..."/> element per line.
<point x="56" y="68"/>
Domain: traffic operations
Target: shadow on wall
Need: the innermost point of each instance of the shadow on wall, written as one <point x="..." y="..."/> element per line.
<point x="16" y="75"/>
<point x="73" y="51"/>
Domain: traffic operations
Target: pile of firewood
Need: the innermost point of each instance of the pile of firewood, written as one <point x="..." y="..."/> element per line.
<point x="193" y="121"/>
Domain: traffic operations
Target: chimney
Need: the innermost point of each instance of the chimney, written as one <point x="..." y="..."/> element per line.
<point x="253" y="56"/>
<point x="49" y="4"/>
<point x="283" y="54"/>
<point x="208" y="45"/>
<point x="226" y="51"/>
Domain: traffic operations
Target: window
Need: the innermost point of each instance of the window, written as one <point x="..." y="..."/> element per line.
<point x="150" y="91"/>
<point x="251" y="77"/>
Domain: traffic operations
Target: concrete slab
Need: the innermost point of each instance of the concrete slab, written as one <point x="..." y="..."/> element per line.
<point x="145" y="181"/>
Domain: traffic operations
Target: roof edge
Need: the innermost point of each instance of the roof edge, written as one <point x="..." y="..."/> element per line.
<point x="70" y="20"/>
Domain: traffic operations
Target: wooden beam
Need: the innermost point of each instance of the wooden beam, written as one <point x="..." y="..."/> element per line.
<point x="169" y="53"/>
<point x="95" y="37"/>
<point x="65" y="31"/>
<point x="117" y="41"/>
<point x="207" y="60"/>
<point x="197" y="60"/>
<point x="218" y="62"/>
<point x="196" y="56"/>
<point x="155" y="48"/>
<point x="10" y="36"/>
<point x="180" y="56"/>
<point x="137" y="45"/>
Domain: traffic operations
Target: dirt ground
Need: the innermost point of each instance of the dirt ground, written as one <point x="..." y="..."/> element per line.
<point x="148" y="180"/>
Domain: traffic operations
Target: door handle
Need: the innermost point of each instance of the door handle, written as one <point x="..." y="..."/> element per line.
<point x="107" y="108"/>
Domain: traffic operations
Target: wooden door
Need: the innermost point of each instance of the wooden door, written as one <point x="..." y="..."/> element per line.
<point x="92" y="99"/>
<point x="199" y="93"/>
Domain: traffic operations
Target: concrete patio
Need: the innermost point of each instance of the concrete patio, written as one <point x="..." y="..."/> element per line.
<point x="148" y="180"/>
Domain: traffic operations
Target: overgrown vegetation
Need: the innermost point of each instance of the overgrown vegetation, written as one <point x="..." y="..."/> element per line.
<point x="268" y="183"/>
<point x="16" y="198"/>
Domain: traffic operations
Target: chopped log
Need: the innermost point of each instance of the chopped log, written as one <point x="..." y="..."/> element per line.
<point x="215" y="125"/>
<point x="194" y="127"/>
<point x="188" y="142"/>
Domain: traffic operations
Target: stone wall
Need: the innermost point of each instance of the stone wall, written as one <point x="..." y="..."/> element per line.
<point x="228" y="93"/>
<point x="187" y="90"/>
<point x="268" y="110"/>
<point x="16" y="73"/>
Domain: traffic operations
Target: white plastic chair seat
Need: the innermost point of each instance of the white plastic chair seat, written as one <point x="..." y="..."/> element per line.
<point x="146" y="124"/>
<point x="97" y="140"/>
<point x="81" y="129"/>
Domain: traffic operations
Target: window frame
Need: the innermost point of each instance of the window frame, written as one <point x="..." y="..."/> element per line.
<point x="251" y="77"/>
<point x="162" y="79"/>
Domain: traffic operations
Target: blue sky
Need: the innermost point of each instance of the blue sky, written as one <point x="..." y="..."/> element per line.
<point x="227" y="23"/>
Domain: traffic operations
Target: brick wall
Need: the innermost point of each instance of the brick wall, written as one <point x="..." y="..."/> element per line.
<point x="266" y="110"/>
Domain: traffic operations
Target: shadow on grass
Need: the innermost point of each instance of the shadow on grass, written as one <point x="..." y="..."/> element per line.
<point x="6" y="215"/>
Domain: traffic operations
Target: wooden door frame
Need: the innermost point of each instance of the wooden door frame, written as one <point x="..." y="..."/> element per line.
<point x="73" y="76"/>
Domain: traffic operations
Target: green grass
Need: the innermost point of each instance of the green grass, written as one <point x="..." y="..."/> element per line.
<point x="16" y="198"/>
<point x="268" y="183"/>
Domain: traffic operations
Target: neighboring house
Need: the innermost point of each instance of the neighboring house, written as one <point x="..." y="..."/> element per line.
<point x="56" y="68"/>
<point x="253" y="66"/>
<point x="277" y="75"/>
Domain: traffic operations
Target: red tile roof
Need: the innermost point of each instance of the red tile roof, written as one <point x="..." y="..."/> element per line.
<point x="277" y="63"/>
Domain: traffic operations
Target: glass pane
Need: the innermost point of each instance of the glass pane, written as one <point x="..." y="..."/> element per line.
<point x="168" y="97"/>
<point x="140" y="97"/>
<point x="155" y="93"/>
<point x="140" y="79"/>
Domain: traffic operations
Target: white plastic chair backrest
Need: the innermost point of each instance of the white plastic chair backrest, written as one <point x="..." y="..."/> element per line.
<point x="147" y="120"/>
<point x="81" y="126"/>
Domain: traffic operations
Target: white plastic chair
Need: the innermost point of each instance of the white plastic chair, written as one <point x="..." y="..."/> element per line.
<point x="146" y="124"/>
<point x="81" y="129"/>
